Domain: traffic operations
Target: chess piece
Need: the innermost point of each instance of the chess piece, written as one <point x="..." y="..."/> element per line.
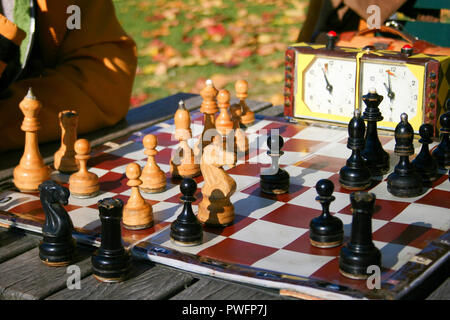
<point x="424" y="163"/>
<point x="64" y="158"/>
<point x="183" y="164"/>
<point x="275" y="180"/>
<point x="377" y="160"/>
<point x="83" y="184"/>
<point x="152" y="177"/>
<point x="248" y="116"/>
<point x="240" y="138"/>
<point x="186" y="230"/>
<point x="31" y="171"/>
<point x="137" y="213"/>
<point x="216" y="209"/>
<point x="404" y="182"/>
<point x="360" y="252"/>
<point x="57" y="247"/>
<point x="355" y="175"/>
<point x="224" y="123"/>
<point x="442" y="151"/>
<point x="111" y="262"/>
<point x="209" y="109"/>
<point x="325" y="231"/>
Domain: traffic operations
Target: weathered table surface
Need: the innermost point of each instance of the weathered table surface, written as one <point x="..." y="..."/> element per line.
<point x="24" y="276"/>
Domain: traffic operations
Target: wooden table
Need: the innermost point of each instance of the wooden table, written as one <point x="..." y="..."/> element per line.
<point x="24" y="276"/>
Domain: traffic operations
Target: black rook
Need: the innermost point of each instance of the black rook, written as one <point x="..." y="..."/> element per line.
<point x="360" y="252"/>
<point x="111" y="262"/>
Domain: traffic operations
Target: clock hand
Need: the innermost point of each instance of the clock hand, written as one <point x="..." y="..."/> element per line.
<point x="390" y="93"/>
<point x="329" y="86"/>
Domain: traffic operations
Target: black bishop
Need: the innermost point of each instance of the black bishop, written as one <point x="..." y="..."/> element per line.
<point x="355" y="175"/>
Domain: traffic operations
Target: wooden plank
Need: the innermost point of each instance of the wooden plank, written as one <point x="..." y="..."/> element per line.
<point x="26" y="277"/>
<point x="14" y="242"/>
<point x="212" y="289"/>
<point x="147" y="282"/>
<point x="441" y="293"/>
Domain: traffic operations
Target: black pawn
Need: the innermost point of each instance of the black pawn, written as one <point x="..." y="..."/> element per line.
<point x="377" y="160"/>
<point x="424" y="163"/>
<point x="111" y="262"/>
<point x="404" y="182"/>
<point x="325" y="231"/>
<point x="275" y="180"/>
<point x="442" y="151"/>
<point x="187" y="230"/>
<point x="355" y="175"/>
<point x="360" y="252"/>
<point x="57" y="247"/>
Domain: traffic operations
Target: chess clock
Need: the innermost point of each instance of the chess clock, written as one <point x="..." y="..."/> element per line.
<point x="324" y="82"/>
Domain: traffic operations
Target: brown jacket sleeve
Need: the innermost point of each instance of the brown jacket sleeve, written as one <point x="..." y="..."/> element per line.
<point x="93" y="72"/>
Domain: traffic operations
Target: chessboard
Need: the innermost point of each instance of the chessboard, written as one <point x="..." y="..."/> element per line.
<point x="268" y="243"/>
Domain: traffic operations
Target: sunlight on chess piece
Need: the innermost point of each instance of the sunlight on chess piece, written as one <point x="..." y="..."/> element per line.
<point x="64" y="159"/>
<point x="31" y="171"/>
<point x="83" y="184"/>
<point x="137" y="213"/>
<point x="248" y="116"/>
<point x="216" y="209"/>
<point x="153" y="178"/>
<point x="183" y="163"/>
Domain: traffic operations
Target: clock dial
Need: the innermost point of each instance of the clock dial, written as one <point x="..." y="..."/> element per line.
<point x="329" y="86"/>
<point x="398" y="86"/>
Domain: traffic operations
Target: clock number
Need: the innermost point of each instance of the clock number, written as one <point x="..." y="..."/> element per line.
<point x="413" y="83"/>
<point x="415" y="97"/>
<point x="393" y="69"/>
<point x="372" y="78"/>
<point x="329" y="111"/>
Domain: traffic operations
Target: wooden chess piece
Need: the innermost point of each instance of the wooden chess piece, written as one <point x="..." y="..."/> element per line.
<point x="326" y="231"/>
<point x="183" y="164"/>
<point x="152" y="177"/>
<point x="137" y="213"/>
<point x="360" y="252"/>
<point x="275" y="180"/>
<point x="209" y="109"/>
<point x="442" y="151"/>
<point x="355" y="175"/>
<point x="31" y="171"/>
<point x="405" y="181"/>
<point x="241" y="140"/>
<point x="57" y="247"/>
<point x="248" y="116"/>
<point x="216" y="209"/>
<point x="83" y="184"/>
<point x="377" y="160"/>
<point x="111" y="262"/>
<point x="186" y="230"/>
<point x="424" y="163"/>
<point x="64" y="158"/>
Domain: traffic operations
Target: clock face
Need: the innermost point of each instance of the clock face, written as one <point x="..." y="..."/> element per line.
<point x="398" y="86"/>
<point x="329" y="86"/>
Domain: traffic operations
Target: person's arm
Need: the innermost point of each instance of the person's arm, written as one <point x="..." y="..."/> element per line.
<point x="93" y="75"/>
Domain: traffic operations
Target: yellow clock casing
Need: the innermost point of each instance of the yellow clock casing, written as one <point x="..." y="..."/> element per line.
<point x="416" y="84"/>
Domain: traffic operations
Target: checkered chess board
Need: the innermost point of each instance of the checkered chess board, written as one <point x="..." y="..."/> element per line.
<point x="268" y="244"/>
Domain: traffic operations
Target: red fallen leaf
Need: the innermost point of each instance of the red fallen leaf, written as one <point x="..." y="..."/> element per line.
<point x="137" y="100"/>
<point x="244" y="52"/>
<point x="217" y="29"/>
<point x="155" y="17"/>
